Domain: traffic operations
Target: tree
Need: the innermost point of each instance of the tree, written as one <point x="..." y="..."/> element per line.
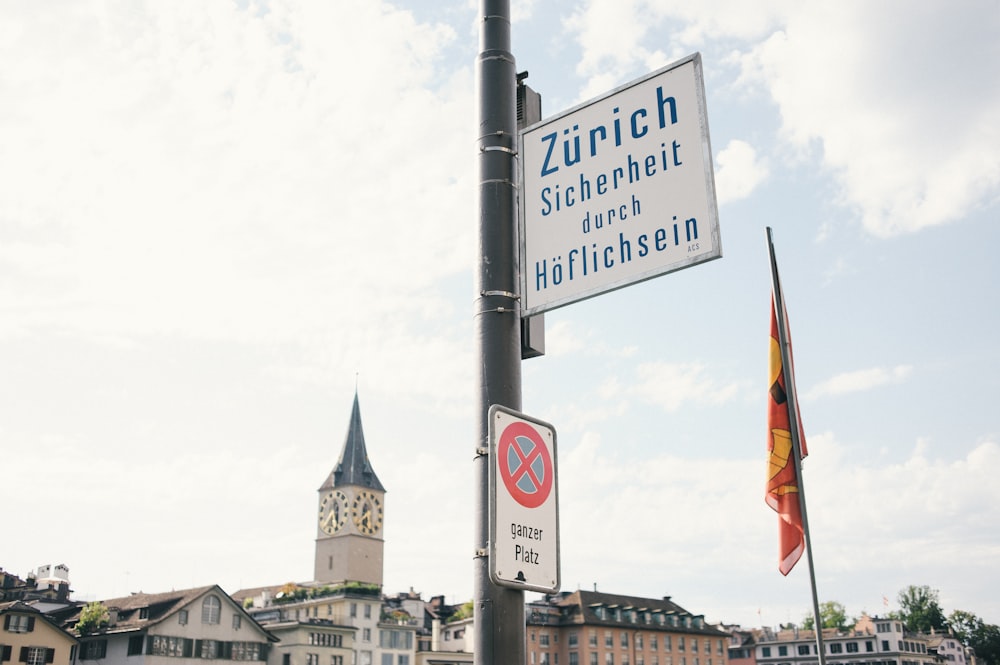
<point x="973" y="632"/>
<point x="964" y="625"/>
<point x="832" y="614"/>
<point x="919" y="609"/>
<point x="93" y="617"/>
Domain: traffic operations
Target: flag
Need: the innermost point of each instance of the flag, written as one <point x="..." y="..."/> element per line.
<point x="782" y="478"/>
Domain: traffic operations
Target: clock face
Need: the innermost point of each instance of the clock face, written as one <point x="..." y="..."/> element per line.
<point x="367" y="513"/>
<point x="333" y="512"/>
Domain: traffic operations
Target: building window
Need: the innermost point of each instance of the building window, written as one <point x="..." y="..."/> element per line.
<point x="312" y="659"/>
<point x="592" y="637"/>
<point x="609" y="640"/>
<point x="336" y="660"/>
<point x="666" y="643"/>
<point x="211" y="608"/>
<point x="246" y="651"/>
<point x="286" y="659"/>
<point x="210" y="649"/>
<point x="593" y="658"/>
<point x="624" y="640"/>
<point x="680" y="643"/>
<point x="654" y="660"/>
<point x="387" y="659"/>
<point x="182" y="617"/>
<point x="782" y="650"/>
<point x="18" y="623"/>
<point x="237" y="621"/>
<point x="836" y="647"/>
<point x="38" y="655"/>
<point x="609" y="658"/>
<point x="354" y="610"/>
<point x="652" y="643"/>
<point x="638" y="641"/>
<point x="403" y="659"/>
<point x="572" y="639"/>
<point x="401" y="639"/>
<point x="366" y="635"/>
<point x="869" y="647"/>
<point x="885" y="645"/>
<point x="135" y="645"/>
<point x="543" y="639"/>
<point x="765" y="652"/>
<point x="368" y="611"/>
<point x="574" y="658"/>
<point x="177" y="647"/>
<point x="852" y="647"/>
<point x="803" y="649"/>
<point x="93" y="650"/>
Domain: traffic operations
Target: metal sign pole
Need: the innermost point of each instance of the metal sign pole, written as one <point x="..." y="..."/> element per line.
<point x="499" y="612"/>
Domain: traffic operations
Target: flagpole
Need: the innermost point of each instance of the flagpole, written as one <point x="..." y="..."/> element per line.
<point x="793" y="421"/>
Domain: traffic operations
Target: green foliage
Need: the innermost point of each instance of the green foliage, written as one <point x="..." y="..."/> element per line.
<point x="833" y="615"/>
<point x="291" y="593"/>
<point x="973" y="632"/>
<point x="93" y="617"/>
<point x="920" y="611"/>
<point x="463" y="612"/>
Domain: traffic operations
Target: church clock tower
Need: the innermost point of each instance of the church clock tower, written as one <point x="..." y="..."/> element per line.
<point x="349" y="541"/>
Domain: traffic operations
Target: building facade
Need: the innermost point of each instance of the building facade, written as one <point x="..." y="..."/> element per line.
<point x="874" y="641"/>
<point x="591" y="628"/>
<point x="31" y="637"/>
<point x="172" y="628"/>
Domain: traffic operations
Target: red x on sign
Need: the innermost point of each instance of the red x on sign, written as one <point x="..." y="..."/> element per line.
<point x="525" y="464"/>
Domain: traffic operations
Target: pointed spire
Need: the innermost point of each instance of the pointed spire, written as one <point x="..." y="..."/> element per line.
<point x="353" y="467"/>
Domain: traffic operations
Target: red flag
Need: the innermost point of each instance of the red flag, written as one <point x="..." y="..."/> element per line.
<point x="782" y="481"/>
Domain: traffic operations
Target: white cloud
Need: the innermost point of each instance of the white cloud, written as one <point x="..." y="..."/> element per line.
<point x="886" y="512"/>
<point x="905" y="126"/>
<point x="859" y="381"/>
<point x="210" y="172"/>
<point x="738" y="172"/>
<point x="186" y="168"/>
<point x="670" y="385"/>
<point x="892" y="97"/>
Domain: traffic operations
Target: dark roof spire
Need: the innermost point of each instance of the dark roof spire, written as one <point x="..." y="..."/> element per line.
<point x="353" y="467"/>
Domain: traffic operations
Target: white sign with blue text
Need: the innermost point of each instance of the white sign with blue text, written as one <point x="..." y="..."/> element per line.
<point x="618" y="190"/>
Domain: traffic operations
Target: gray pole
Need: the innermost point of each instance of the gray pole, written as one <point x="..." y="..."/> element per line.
<point x="499" y="612"/>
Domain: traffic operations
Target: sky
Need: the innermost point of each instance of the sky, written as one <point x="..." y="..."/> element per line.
<point x="218" y="220"/>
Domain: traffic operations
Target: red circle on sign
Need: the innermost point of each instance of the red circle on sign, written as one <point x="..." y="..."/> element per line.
<point x="536" y="490"/>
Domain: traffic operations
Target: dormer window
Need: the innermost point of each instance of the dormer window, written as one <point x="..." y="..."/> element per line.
<point x="211" y="608"/>
<point x="19" y="623"/>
